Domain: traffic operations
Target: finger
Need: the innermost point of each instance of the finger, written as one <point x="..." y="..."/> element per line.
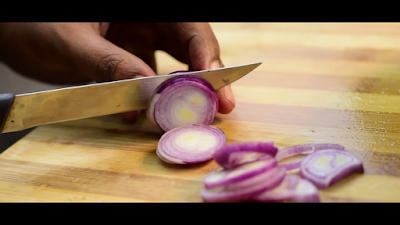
<point x="130" y="117"/>
<point x="225" y="95"/>
<point x="204" y="53"/>
<point x="149" y="58"/>
<point x="101" y="60"/>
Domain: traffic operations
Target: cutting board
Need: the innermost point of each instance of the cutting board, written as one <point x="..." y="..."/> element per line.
<point x="319" y="83"/>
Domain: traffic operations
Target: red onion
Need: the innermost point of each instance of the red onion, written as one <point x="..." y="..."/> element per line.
<point x="281" y="193"/>
<point x="224" y="177"/>
<point x="234" y="155"/>
<point x="181" y="101"/>
<point x="291" y="189"/>
<point x="302" y="149"/>
<point x="325" y="168"/>
<point x="305" y="192"/>
<point x="190" y="144"/>
<point x="247" y="188"/>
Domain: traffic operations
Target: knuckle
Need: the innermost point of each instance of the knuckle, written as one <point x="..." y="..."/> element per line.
<point x="107" y="67"/>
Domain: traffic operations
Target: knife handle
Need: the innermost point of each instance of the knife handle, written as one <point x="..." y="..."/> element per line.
<point x="6" y="101"/>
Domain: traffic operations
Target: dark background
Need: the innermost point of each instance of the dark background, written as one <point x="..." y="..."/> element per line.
<point x="12" y="82"/>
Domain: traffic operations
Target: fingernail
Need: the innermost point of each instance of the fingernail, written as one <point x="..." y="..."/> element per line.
<point x="215" y="65"/>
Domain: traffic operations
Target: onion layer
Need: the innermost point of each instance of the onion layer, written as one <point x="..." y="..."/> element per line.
<point x="190" y="144"/>
<point x="234" y="155"/>
<point x="302" y="149"/>
<point x="181" y="101"/>
<point x="225" y="177"/>
<point x="325" y="168"/>
<point x="291" y="189"/>
<point x="247" y="188"/>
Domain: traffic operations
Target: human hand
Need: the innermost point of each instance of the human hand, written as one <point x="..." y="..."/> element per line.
<point x="72" y="53"/>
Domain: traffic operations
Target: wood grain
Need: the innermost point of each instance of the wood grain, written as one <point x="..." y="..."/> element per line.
<point x="319" y="82"/>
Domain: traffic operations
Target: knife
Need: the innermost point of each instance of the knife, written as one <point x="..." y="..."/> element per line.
<point x="20" y="112"/>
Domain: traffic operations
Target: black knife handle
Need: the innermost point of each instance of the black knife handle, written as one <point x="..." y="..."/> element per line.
<point x="6" y="101"/>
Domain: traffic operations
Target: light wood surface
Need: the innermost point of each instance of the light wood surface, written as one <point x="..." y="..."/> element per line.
<point x="319" y="82"/>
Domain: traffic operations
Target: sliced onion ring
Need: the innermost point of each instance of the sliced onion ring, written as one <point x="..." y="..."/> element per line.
<point x="233" y="155"/>
<point x="190" y="144"/>
<point x="325" y="168"/>
<point x="302" y="149"/>
<point x="181" y="101"/>
<point x="293" y="189"/>
<point x="225" y="177"/>
<point x="245" y="189"/>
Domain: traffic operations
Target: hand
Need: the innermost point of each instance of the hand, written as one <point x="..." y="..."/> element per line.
<point x="74" y="53"/>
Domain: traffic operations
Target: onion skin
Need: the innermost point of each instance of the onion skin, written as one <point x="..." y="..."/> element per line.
<point x="333" y="170"/>
<point x="225" y="156"/>
<point x="171" y="151"/>
<point x="181" y="101"/>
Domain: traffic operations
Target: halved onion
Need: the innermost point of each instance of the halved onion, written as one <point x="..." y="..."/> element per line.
<point x="224" y="177"/>
<point x="181" y="101"/>
<point x="325" y="168"/>
<point x="302" y="149"/>
<point x="190" y="144"/>
<point x="247" y="188"/>
<point x="234" y="155"/>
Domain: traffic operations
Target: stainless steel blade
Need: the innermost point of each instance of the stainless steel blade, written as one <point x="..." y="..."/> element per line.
<point x="65" y="104"/>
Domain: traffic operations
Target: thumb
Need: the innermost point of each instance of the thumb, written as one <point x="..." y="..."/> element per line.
<point x="95" y="57"/>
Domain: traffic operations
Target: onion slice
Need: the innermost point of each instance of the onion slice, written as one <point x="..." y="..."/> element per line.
<point x="190" y="144"/>
<point x="293" y="189"/>
<point x="302" y="149"/>
<point x="231" y="156"/>
<point x="306" y="192"/>
<point x="325" y="168"/>
<point x="225" y="177"/>
<point x="284" y="191"/>
<point x="181" y="101"/>
<point x="245" y="189"/>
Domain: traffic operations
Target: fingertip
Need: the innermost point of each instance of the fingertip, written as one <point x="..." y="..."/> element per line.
<point x="226" y="100"/>
<point x="130" y="117"/>
<point x="225" y="106"/>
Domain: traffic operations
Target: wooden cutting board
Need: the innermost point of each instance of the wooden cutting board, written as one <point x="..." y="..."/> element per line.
<point x="332" y="83"/>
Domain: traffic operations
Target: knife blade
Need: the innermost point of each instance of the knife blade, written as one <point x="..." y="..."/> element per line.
<point x="20" y="112"/>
